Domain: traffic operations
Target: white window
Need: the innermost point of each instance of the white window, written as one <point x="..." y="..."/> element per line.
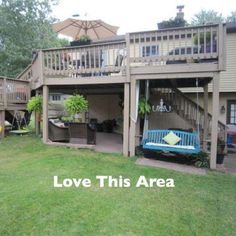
<point x="150" y="51"/>
<point x="231" y="112"/>
<point x="56" y="98"/>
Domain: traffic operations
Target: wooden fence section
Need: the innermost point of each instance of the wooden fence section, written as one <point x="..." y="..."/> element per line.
<point x="13" y="92"/>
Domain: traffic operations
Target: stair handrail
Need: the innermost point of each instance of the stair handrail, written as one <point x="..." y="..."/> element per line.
<point x="201" y="109"/>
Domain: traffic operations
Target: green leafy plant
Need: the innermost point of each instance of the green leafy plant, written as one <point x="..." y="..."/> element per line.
<point x="144" y="107"/>
<point x="66" y="119"/>
<point x="35" y="104"/>
<point x="85" y="39"/>
<point x="201" y="159"/>
<point x="76" y="104"/>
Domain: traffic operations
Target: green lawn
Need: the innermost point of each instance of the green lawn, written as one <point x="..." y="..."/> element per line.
<point x="29" y="205"/>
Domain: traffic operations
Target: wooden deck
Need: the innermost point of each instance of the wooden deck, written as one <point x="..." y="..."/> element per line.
<point x="141" y="55"/>
<point x="14" y="93"/>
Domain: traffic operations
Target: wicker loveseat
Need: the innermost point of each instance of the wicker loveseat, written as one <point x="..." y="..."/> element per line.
<point x="58" y="132"/>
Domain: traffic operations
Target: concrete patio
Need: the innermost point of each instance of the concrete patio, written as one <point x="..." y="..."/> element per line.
<point x="105" y="142"/>
<point x="109" y="142"/>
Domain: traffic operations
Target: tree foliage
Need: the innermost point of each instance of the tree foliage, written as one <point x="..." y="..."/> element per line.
<point x="231" y="17"/>
<point x="172" y="23"/>
<point x="24" y="27"/>
<point x="205" y="17"/>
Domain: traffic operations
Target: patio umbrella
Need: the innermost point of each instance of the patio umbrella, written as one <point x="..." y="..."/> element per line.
<point x="75" y="28"/>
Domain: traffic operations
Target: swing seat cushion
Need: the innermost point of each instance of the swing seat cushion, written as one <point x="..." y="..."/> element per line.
<point x="184" y="142"/>
<point x="171" y="138"/>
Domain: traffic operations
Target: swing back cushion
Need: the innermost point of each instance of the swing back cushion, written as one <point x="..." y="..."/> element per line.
<point x="172" y="141"/>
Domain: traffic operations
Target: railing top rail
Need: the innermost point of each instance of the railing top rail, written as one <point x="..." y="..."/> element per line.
<point x="85" y="46"/>
<point x="25" y="70"/>
<point x="5" y="77"/>
<point x="177" y="29"/>
<point x="14" y="79"/>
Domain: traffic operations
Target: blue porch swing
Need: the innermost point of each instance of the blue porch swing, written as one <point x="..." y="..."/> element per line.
<point x="172" y="140"/>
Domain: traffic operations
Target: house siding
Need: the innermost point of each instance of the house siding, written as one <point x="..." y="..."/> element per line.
<point x="227" y="77"/>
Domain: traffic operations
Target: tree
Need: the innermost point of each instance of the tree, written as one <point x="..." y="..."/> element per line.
<point x="172" y="23"/>
<point x="205" y="17"/>
<point x="231" y="17"/>
<point x="24" y="27"/>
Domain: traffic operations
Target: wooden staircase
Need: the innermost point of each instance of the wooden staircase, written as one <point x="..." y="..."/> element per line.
<point x="189" y="110"/>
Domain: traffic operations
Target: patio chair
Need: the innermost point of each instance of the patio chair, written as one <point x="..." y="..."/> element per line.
<point x="58" y="133"/>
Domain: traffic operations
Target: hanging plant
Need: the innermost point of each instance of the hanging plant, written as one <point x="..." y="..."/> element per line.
<point x="144" y="107"/>
<point x="35" y="104"/>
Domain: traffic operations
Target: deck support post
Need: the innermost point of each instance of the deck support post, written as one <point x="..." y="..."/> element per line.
<point x="126" y="121"/>
<point x="205" y="128"/>
<point x="133" y="117"/>
<point x="2" y="124"/>
<point x="45" y="113"/>
<point x="37" y="121"/>
<point x="215" y="118"/>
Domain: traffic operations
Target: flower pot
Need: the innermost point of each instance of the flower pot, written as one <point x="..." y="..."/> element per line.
<point x="220" y="158"/>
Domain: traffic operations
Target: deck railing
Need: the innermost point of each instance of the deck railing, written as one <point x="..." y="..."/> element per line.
<point x="26" y="74"/>
<point x="89" y="60"/>
<point x="13" y="91"/>
<point x="177" y="45"/>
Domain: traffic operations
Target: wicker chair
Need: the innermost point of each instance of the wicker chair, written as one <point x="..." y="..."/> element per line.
<point x="82" y="133"/>
<point x="57" y="134"/>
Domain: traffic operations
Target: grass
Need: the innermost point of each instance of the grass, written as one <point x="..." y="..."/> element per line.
<point x="29" y="205"/>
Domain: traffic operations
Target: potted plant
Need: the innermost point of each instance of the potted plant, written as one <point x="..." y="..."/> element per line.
<point x="74" y="105"/>
<point x="220" y="151"/>
<point x="144" y="107"/>
<point x="83" y="40"/>
<point x="35" y="104"/>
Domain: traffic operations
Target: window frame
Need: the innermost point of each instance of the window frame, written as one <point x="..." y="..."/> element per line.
<point x="144" y="49"/>
<point x="229" y="116"/>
